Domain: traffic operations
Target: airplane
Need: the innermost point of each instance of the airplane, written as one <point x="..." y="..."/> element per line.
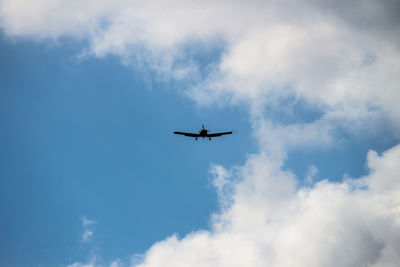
<point x="202" y="133"/>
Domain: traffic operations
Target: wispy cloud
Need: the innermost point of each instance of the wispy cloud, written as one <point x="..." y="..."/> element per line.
<point x="311" y="173"/>
<point x="94" y="263"/>
<point x="88" y="230"/>
<point x="78" y="264"/>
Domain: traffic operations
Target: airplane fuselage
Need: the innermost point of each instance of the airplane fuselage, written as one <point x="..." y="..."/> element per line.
<point x="203" y="133"/>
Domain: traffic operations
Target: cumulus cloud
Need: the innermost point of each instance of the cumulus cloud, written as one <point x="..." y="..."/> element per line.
<point x="266" y="219"/>
<point x="341" y="58"/>
<point x="271" y="223"/>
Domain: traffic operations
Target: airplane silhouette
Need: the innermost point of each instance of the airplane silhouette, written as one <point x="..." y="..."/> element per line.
<point x="202" y="133"/>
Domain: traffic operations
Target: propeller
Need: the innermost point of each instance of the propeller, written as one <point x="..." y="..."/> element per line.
<point x="203" y="129"/>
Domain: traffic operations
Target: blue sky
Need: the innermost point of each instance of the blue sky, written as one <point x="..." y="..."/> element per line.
<point x="91" y="174"/>
<point x="90" y="138"/>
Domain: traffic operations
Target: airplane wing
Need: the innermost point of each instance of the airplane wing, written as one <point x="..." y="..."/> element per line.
<point x="187" y="134"/>
<point x="218" y="134"/>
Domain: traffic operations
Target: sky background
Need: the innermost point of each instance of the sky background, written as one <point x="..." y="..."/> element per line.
<point x="93" y="139"/>
<point x="91" y="174"/>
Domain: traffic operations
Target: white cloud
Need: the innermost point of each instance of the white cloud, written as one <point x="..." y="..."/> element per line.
<point x="87" y="235"/>
<point x="342" y="57"/>
<point x="267" y="220"/>
<point x="78" y="264"/>
<point x="311" y="173"/>
<point x="94" y="261"/>
<point x="116" y="263"/>
<point x="86" y="222"/>
<point x="277" y="139"/>
<point x="271" y="223"/>
<point x="88" y="231"/>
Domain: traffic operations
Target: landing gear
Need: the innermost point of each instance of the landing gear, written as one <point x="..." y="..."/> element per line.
<point x="195" y="139"/>
<point x="209" y="139"/>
